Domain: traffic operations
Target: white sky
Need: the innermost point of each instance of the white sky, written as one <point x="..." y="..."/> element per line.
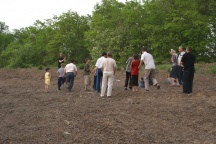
<point x="23" y="13"/>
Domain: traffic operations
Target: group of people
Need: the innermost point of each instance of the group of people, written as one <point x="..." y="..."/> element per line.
<point x="182" y="72"/>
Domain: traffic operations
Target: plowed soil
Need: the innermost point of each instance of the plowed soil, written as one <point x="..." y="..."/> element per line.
<point x="28" y="115"/>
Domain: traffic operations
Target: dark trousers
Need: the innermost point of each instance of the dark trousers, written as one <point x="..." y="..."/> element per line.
<point x="70" y="80"/>
<point x="188" y="80"/>
<point x="99" y="77"/>
<point x="61" y="81"/>
<point x="128" y="79"/>
<point x="180" y="75"/>
<point x="94" y="83"/>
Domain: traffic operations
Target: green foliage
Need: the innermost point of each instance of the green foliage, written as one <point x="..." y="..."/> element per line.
<point x="40" y="67"/>
<point x="166" y="67"/>
<point x="121" y="28"/>
<point x="212" y="69"/>
<point x="81" y="66"/>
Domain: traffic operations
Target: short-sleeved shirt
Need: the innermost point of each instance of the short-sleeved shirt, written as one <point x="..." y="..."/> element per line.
<point x="108" y="65"/>
<point x="135" y="67"/>
<point x="87" y="69"/>
<point x="70" y="68"/>
<point x="148" y="60"/>
<point x="60" y="72"/>
<point x="174" y="59"/>
<point x="128" y="62"/>
<point x="47" y="75"/>
<point x="99" y="62"/>
<point x="180" y="57"/>
<point x="59" y="63"/>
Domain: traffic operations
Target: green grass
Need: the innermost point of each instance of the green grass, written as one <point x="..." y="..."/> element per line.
<point x="166" y="67"/>
<point x="212" y="69"/>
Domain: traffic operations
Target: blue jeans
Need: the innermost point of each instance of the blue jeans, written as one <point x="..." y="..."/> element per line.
<point x="60" y="82"/>
<point x="70" y="80"/>
<point x="98" y="80"/>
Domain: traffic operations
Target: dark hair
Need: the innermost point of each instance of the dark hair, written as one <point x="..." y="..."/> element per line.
<point x="189" y="48"/>
<point x="143" y="48"/>
<point x="47" y="69"/>
<point x="72" y="61"/>
<point x="87" y="59"/>
<point x="104" y="54"/>
<point x="135" y="56"/>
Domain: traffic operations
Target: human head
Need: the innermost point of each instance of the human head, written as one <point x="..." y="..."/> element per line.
<point x="104" y="54"/>
<point x="180" y="49"/>
<point x="47" y="69"/>
<point x="172" y="51"/>
<point x="62" y="64"/>
<point x="87" y="60"/>
<point x="72" y="61"/>
<point x="109" y="54"/>
<point x="188" y="49"/>
<point x="60" y="54"/>
<point x="143" y="49"/>
<point x="135" y="56"/>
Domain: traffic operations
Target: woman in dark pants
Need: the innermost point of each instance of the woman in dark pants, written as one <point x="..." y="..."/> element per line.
<point x="188" y="61"/>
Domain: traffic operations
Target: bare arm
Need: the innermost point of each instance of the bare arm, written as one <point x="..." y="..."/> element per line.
<point x="140" y="63"/>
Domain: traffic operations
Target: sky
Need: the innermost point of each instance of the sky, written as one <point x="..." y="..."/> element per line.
<point x="23" y="13"/>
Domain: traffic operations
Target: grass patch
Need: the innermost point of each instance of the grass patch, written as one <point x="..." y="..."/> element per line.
<point x="212" y="69"/>
<point x="166" y="67"/>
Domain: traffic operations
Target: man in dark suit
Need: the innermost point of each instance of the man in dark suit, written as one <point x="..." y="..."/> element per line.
<point x="188" y="61"/>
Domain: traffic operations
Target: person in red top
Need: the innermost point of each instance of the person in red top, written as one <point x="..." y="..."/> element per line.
<point x="134" y="72"/>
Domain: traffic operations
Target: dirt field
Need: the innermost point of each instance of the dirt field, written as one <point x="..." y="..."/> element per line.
<point x="29" y="115"/>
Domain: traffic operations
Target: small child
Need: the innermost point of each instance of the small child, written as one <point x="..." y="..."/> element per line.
<point x="61" y="76"/>
<point x="135" y="72"/>
<point x="87" y="71"/>
<point x="47" y="79"/>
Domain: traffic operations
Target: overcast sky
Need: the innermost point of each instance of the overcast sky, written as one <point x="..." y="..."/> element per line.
<point x="23" y="13"/>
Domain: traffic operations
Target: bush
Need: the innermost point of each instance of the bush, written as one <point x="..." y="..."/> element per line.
<point x="81" y="66"/>
<point x="40" y="67"/>
<point x="212" y="69"/>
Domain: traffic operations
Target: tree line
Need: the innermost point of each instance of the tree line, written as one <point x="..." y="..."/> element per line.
<point x="122" y="28"/>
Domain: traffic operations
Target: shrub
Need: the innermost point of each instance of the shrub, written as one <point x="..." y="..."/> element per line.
<point x="40" y="67"/>
<point x="81" y="66"/>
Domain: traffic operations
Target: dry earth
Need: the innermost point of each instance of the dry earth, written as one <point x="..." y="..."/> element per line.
<point x="29" y="115"/>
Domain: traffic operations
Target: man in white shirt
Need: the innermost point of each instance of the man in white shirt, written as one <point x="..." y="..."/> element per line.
<point x="71" y="72"/>
<point x="108" y="69"/>
<point x="180" y="66"/>
<point x="148" y="60"/>
<point x="99" y="73"/>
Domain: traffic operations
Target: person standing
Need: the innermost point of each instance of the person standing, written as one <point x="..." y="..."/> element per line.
<point x="61" y="76"/>
<point x="109" y="70"/>
<point x="47" y="78"/>
<point x="61" y="60"/>
<point x="135" y="72"/>
<point x="87" y="71"/>
<point x="148" y="60"/>
<point x="71" y="72"/>
<point x="128" y="73"/>
<point x="174" y="70"/>
<point x="180" y="66"/>
<point x="188" y="61"/>
<point x="98" y="70"/>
